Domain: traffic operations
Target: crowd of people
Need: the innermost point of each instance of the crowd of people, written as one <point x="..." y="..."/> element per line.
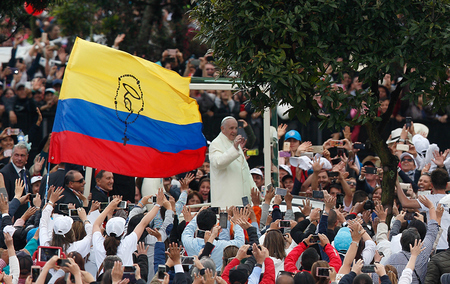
<point x="54" y="233"/>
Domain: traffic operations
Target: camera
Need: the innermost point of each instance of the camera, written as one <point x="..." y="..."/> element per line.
<point x="369" y="205"/>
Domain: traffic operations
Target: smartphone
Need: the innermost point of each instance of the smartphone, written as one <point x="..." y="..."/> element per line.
<point x="253" y="152"/>
<point x="32" y="196"/>
<point x="200" y="234"/>
<point x="280" y="191"/>
<point x="216" y="210"/>
<point x="269" y="187"/>
<point x="323" y="272"/>
<point x="405" y="186"/>
<point x="161" y="271"/>
<point x="339" y="200"/>
<point x="287" y="146"/>
<point x="13" y="131"/>
<point x="340" y="152"/>
<point x="371" y="170"/>
<point x="209" y="58"/>
<point x="360" y="146"/>
<point x="240" y="124"/>
<point x="64" y="207"/>
<point x="122" y="205"/>
<point x="172" y="52"/>
<point x="317" y="149"/>
<point x="314" y="239"/>
<point x="129" y="269"/>
<point x="333" y="174"/>
<point x="73" y="212"/>
<point x="35" y="271"/>
<point x="130" y="206"/>
<point x="402" y="147"/>
<point x="381" y="254"/>
<point x="195" y="62"/>
<point x="62" y="262"/>
<point x="368" y="269"/>
<point x="285" y="224"/>
<point x="45" y="253"/>
<point x="14" y="70"/>
<point x="245" y="201"/>
<point x="336" y="161"/>
<point x="408" y="122"/>
<point x="153" y="200"/>
<point x="410" y="216"/>
<point x="103" y="205"/>
<point x="187" y="260"/>
<point x="223" y="220"/>
<point x="336" y="143"/>
<point x="250" y="250"/>
<point x="317" y="194"/>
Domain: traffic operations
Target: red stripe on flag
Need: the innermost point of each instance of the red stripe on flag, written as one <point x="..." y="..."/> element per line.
<point x="130" y="160"/>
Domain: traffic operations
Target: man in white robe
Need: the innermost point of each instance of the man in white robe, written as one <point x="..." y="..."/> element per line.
<point x="230" y="175"/>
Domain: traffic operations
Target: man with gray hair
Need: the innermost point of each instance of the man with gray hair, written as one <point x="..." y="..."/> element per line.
<point x="230" y="174"/>
<point x="15" y="170"/>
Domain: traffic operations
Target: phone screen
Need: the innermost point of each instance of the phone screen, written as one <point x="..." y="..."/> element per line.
<point x="161" y="270"/>
<point x="122" y="205"/>
<point x="314" y="239"/>
<point x="323" y="272"/>
<point x="245" y="201"/>
<point x="285" y="224"/>
<point x="73" y="212"/>
<point x="368" y="269"/>
<point x="129" y="269"/>
<point x="223" y="220"/>
<point x="46" y="253"/>
<point x="189" y="260"/>
<point x="200" y="234"/>
<point x="35" y="271"/>
<point x="317" y="194"/>
<point x="280" y="191"/>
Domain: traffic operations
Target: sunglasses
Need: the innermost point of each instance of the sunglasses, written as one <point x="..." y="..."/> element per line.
<point x="407" y="160"/>
<point x="351" y="183"/>
<point x="80" y="181"/>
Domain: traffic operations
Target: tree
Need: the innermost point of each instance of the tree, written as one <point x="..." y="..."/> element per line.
<point x="288" y="46"/>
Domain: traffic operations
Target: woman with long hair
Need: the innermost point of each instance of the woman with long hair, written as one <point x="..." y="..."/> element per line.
<point x="275" y="243"/>
<point x="114" y="243"/>
<point x="62" y="234"/>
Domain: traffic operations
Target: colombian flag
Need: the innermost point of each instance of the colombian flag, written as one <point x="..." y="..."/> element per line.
<point x="126" y="115"/>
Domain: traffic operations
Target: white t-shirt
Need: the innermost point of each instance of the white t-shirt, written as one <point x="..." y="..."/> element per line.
<point x="445" y="221"/>
<point x="127" y="246"/>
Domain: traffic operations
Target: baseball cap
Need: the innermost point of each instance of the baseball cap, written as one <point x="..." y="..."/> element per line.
<point x="50" y="90"/>
<point x="293" y="134"/>
<point x="62" y="225"/>
<point x="115" y="226"/>
<point x="35" y="179"/>
<point x="404" y="154"/>
<point x="256" y="171"/>
<point x="56" y="82"/>
<point x="343" y="239"/>
<point x="286" y="168"/>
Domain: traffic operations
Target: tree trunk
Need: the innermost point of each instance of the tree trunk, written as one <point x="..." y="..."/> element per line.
<point x="389" y="162"/>
<point x="144" y="31"/>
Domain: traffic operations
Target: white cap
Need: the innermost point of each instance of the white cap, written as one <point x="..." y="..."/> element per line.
<point x="404" y="154"/>
<point x="62" y="225"/>
<point x="286" y="168"/>
<point x="35" y="179"/>
<point x="10" y="230"/>
<point x="115" y="226"/>
<point x="256" y="171"/>
<point x="395" y="135"/>
<point x="421" y="143"/>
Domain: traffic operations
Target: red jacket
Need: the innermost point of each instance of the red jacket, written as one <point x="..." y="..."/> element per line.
<point x="269" y="272"/>
<point x="226" y="271"/>
<point x="292" y="257"/>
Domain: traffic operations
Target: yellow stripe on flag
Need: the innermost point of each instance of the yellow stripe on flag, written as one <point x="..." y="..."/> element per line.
<point x="96" y="73"/>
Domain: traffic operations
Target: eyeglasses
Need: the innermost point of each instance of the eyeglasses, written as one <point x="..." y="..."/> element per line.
<point x="426" y="174"/>
<point x="80" y="181"/>
<point x="351" y="183"/>
<point x="407" y="160"/>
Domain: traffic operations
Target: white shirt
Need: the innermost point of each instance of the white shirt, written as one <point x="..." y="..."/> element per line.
<point x="127" y="246"/>
<point x="445" y="221"/>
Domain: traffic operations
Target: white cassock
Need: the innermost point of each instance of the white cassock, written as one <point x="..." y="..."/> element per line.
<point x="230" y="174"/>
